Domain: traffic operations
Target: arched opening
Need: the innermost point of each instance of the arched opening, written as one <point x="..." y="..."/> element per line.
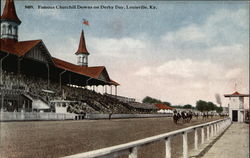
<point x="10" y="29"/>
<point x="15" y="30"/>
<point x="4" y="30"/>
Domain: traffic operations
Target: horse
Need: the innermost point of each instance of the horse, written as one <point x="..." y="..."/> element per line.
<point x="184" y="116"/>
<point x="176" y="117"/>
<point x="204" y="116"/>
<point x="189" y="116"/>
<point x="196" y="115"/>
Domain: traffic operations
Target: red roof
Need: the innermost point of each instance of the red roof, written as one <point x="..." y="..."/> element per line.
<point x="114" y="83"/>
<point x="93" y="72"/>
<point x="9" y="12"/>
<point x="82" y="45"/>
<point x="17" y="48"/>
<point x="22" y="47"/>
<point x="236" y="94"/>
<point x="163" y="106"/>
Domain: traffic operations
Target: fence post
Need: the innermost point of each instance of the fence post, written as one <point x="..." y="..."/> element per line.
<point x="195" y="139"/>
<point x="133" y="153"/>
<point x="185" y="145"/>
<point x="215" y="129"/>
<point x="202" y="135"/>
<point x="168" y="147"/>
<point x="208" y="132"/>
<point x="212" y="130"/>
<point x="220" y="127"/>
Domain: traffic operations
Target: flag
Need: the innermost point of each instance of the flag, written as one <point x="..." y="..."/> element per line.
<point x="85" y="22"/>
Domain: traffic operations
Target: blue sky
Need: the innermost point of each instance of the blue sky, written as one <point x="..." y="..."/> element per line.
<point x="180" y="52"/>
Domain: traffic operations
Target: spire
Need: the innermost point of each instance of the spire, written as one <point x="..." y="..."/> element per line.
<point x="9" y="12"/>
<point x="82" y="46"/>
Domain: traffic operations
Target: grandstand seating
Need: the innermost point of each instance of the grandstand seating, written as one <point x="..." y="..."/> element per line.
<point x="86" y="101"/>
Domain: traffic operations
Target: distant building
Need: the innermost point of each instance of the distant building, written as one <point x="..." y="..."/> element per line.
<point x="237" y="112"/>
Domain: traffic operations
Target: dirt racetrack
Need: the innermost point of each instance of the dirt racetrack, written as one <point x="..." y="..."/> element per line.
<point x="43" y="139"/>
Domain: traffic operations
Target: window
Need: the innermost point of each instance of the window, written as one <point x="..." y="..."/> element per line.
<point x="15" y="30"/>
<point x="9" y="29"/>
<point x="83" y="59"/>
<point x="4" y="29"/>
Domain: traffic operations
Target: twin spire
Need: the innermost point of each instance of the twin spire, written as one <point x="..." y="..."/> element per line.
<point x="82" y="45"/>
<point x="9" y="12"/>
<point x="82" y="52"/>
<point x="9" y="22"/>
<point x="9" y="30"/>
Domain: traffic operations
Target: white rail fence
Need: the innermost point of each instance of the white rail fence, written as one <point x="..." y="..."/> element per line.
<point x="26" y="116"/>
<point x="213" y="128"/>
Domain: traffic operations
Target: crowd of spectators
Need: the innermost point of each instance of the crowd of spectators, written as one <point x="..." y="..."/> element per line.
<point x="86" y="101"/>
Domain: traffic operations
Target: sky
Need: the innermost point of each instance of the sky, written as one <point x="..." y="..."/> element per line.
<point x="179" y="52"/>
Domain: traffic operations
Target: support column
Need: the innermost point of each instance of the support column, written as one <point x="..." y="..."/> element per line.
<point x="168" y="147"/>
<point x="60" y="79"/>
<point x="105" y="88"/>
<point x="111" y="89"/>
<point x="115" y="90"/>
<point x="19" y="65"/>
<point x="48" y="75"/>
<point x="69" y="78"/>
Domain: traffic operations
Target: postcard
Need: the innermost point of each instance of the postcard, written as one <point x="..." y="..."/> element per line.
<point x="146" y="79"/>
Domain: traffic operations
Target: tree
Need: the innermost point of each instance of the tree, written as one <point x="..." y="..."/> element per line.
<point x="205" y="106"/>
<point x="166" y="103"/>
<point x="201" y="105"/>
<point x="211" y="106"/>
<point x="219" y="109"/>
<point x="148" y="99"/>
<point x="187" y="106"/>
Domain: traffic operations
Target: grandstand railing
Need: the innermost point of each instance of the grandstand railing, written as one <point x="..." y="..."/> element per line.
<point x="131" y="149"/>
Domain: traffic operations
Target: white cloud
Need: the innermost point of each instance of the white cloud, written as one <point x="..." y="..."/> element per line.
<point x="183" y="68"/>
<point x="144" y="71"/>
<point x="234" y="73"/>
<point x="168" y="69"/>
<point x="239" y="17"/>
<point x="221" y="28"/>
<point x="113" y="47"/>
<point x="65" y="49"/>
<point x="234" y="48"/>
<point x="190" y="33"/>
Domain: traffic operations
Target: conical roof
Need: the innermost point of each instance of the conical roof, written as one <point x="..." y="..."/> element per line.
<point x="9" y="12"/>
<point x="82" y="45"/>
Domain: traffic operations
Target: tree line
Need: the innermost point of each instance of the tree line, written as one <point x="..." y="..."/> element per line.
<point x="204" y="106"/>
<point x="201" y="105"/>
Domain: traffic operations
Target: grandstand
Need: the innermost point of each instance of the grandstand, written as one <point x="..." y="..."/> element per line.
<point x="31" y="78"/>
